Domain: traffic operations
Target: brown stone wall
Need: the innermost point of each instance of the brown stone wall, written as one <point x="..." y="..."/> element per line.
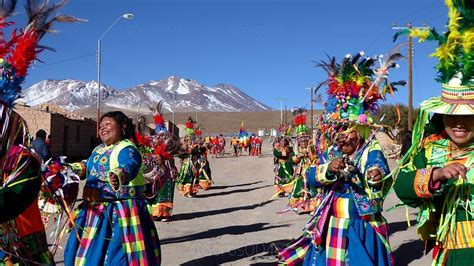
<point x="35" y="119"/>
<point x="73" y="138"/>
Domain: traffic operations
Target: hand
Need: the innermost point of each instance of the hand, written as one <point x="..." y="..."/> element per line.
<point x="114" y="181"/>
<point x="336" y="165"/>
<point x="374" y="176"/>
<point x="451" y="171"/>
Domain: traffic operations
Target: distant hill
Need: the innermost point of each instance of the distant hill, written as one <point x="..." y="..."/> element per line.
<point x="217" y="122"/>
<point x="184" y="94"/>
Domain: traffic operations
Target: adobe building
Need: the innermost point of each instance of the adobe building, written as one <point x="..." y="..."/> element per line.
<point x="72" y="135"/>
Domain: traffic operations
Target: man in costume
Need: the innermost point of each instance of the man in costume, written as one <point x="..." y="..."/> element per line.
<point x="348" y="226"/>
<point x="22" y="237"/>
<point x="437" y="173"/>
<point x="189" y="172"/>
<point x="160" y="171"/>
<point x="303" y="197"/>
<point x="284" y="171"/>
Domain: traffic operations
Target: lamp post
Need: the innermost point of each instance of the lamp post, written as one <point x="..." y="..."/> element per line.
<point x="125" y="16"/>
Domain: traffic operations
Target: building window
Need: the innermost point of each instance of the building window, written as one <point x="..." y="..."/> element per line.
<point x="78" y="132"/>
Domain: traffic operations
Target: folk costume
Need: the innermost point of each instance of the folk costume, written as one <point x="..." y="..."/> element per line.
<point x="284" y="170"/>
<point x="303" y="196"/>
<point x="114" y="225"/>
<point x="160" y="171"/>
<point x="22" y="233"/>
<point x="348" y="227"/>
<point x="446" y="217"/>
<point x="188" y="175"/>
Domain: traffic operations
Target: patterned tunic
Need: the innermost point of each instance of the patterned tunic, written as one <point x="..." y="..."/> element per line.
<point x="446" y="209"/>
<point x="115" y="226"/>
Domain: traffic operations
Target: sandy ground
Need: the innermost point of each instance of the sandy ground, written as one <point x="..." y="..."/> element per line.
<point x="236" y="223"/>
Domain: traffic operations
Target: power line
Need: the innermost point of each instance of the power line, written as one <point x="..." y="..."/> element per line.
<point x="66" y="60"/>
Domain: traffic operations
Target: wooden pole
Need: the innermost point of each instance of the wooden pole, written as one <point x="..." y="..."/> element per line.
<point x="410" y="81"/>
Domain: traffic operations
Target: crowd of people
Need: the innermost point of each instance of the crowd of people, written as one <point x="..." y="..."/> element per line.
<point x="341" y="177"/>
<point x="337" y="174"/>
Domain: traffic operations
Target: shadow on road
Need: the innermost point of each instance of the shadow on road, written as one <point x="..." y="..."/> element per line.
<point x="269" y="249"/>
<point x="193" y="215"/>
<point x="230" y="192"/>
<point x="399" y="226"/>
<point x="230" y="230"/>
<point x="238" y="185"/>
<point x="408" y="252"/>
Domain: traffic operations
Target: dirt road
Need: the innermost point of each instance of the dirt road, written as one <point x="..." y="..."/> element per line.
<point x="236" y="223"/>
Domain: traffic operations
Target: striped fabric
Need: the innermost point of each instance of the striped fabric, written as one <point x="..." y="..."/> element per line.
<point x="336" y="245"/>
<point x="134" y="241"/>
<point x="463" y="236"/>
<point x="295" y="253"/>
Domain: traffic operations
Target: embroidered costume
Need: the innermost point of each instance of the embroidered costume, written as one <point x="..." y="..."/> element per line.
<point x="115" y="226"/>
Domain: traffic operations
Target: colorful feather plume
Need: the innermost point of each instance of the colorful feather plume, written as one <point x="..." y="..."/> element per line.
<point x="355" y="86"/>
<point x="18" y="53"/>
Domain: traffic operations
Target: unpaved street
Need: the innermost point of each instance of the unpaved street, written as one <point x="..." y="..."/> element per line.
<point x="236" y="223"/>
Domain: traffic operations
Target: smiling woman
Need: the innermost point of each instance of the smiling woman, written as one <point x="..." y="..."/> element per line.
<point x="113" y="223"/>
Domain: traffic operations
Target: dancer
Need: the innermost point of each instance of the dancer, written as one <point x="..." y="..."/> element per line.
<point x="114" y="207"/>
<point x="283" y="154"/>
<point x="437" y="173"/>
<point x="348" y="226"/>
<point x="160" y="171"/>
<point x="303" y="196"/>
<point x="22" y="233"/>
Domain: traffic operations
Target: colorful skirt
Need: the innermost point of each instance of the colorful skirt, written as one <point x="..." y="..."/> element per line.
<point x="205" y="179"/>
<point x="162" y="207"/>
<point x="187" y="183"/>
<point x="303" y="197"/>
<point x="113" y="233"/>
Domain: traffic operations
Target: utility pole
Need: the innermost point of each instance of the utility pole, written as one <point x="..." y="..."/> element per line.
<point x="311" y="92"/>
<point x="174" y="104"/>
<point x="281" y="109"/>
<point x="410" y="70"/>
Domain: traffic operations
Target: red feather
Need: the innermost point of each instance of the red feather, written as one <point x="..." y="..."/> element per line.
<point x="161" y="150"/>
<point x="5" y="47"/>
<point x="158" y="119"/>
<point x="24" y="53"/>
<point x="142" y="140"/>
<point x="189" y="124"/>
<point x="300" y="119"/>
<point x="197" y="132"/>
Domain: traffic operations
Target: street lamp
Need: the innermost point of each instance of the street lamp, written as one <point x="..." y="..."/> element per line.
<point x="125" y="16"/>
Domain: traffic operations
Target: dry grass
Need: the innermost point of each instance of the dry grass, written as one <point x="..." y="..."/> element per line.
<point x="216" y="122"/>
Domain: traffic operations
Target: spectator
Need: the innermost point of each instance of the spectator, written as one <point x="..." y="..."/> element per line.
<point x="40" y="146"/>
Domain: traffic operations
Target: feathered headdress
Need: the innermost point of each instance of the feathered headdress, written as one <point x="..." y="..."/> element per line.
<point x="355" y="87"/>
<point x="299" y="115"/>
<point x="158" y="119"/>
<point x="16" y="54"/>
<point x="21" y="50"/>
<point x="456" y="60"/>
<point x="189" y="130"/>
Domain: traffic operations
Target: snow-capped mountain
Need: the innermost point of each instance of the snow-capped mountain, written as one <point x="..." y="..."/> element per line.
<point x="182" y="94"/>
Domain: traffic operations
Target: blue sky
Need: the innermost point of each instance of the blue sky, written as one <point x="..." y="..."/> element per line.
<point x="264" y="47"/>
